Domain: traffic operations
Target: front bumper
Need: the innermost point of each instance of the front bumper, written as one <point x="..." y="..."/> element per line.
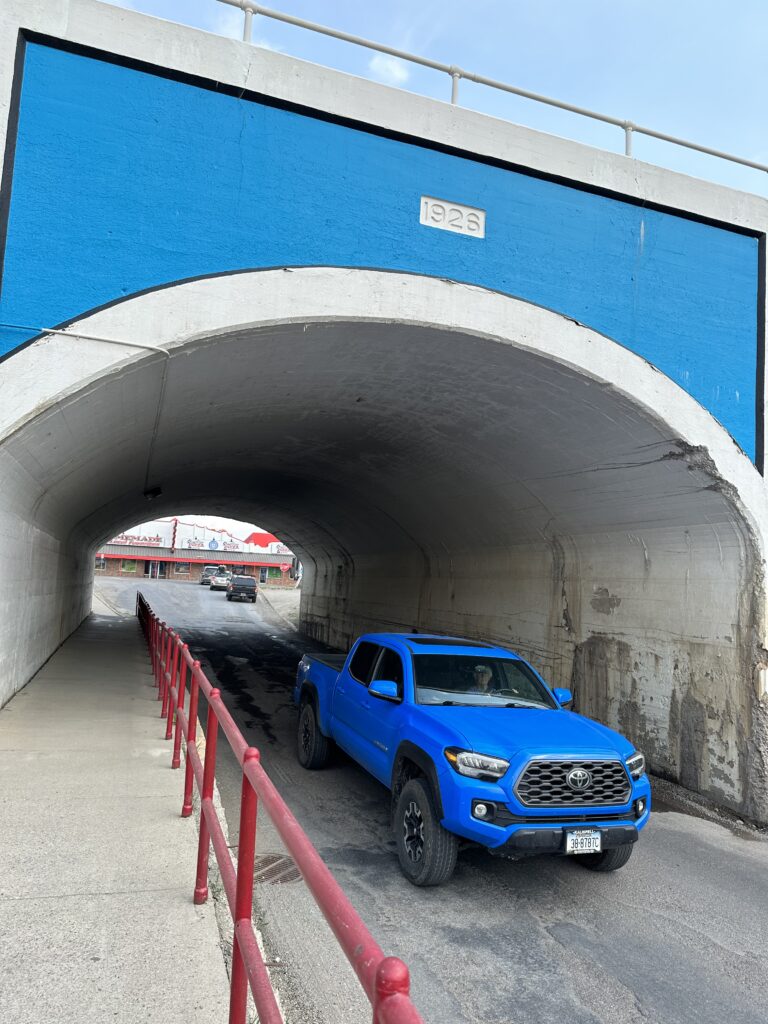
<point x="528" y="842"/>
<point x="524" y="831"/>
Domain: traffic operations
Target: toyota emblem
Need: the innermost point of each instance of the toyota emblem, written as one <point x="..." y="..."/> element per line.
<point x="579" y="779"/>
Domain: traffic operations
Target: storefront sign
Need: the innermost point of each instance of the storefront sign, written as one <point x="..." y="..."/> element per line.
<point x="135" y="538"/>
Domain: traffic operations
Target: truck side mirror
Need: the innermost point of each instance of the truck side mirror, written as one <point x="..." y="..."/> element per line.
<point x="385" y="689"/>
<point x="563" y="697"/>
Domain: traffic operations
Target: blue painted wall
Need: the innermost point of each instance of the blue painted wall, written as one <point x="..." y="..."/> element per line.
<point x="124" y="180"/>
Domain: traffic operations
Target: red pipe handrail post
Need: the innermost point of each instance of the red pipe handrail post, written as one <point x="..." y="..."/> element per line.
<point x="171" y="704"/>
<point x="158" y="651"/>
<point x="203" y="849"/>
<point x="161" y="659"/>
<point x="166" y="674"/>
<point x="166" y="678"/>
<point x="153" y="640"/>
<point x="194" y="696"/>
<point x="246" y="852"/>
<point x="168" y="640"/>
<point x="160" y="656"/>
<point x="176" y="758"/>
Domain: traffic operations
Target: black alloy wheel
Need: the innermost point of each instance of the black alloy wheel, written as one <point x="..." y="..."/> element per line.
<point x="426" y="851"/>
<point x="413" y="832"/>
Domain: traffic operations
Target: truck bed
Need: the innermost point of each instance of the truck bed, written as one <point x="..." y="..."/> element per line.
<point x="334" y="661"/>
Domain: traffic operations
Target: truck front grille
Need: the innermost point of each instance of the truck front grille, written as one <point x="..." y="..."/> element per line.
<point x="545" y="784"/>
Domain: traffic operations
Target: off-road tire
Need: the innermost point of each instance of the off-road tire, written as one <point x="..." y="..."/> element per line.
<point x="426" y="851"/>
<point x="608" y="860"/>
<point x="313" y="749"/>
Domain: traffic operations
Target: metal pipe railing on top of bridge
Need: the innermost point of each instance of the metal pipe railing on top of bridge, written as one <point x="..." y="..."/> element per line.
<point x="385" y="980"/>
<point x="456" y="74"/>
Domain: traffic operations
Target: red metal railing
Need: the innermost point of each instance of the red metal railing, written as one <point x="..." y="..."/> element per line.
<point x="385" y="980"/>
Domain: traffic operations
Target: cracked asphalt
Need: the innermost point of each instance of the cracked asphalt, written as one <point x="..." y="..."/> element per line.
<point x="679" y="936"/>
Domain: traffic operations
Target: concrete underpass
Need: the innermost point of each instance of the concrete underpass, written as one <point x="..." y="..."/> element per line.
<point x="441" y="458"/>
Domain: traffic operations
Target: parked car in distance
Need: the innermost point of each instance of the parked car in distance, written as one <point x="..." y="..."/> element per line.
<point x="209" y="571"/>
<point x="473" y="745"/>
<point x="242" y="588"/>
<point x="220" y="580"/>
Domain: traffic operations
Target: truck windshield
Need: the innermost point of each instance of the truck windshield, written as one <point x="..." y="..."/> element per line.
<point x="477" y="681"/>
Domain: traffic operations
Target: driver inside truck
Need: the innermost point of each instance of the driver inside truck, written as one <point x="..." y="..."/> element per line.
<point x="482" y="676"/>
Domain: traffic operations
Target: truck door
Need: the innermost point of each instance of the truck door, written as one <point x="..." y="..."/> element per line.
<point x="350" y="695"/>
<point x="382" y="718"/>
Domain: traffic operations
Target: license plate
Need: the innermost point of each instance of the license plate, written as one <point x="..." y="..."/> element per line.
<point x="583" y="841"/>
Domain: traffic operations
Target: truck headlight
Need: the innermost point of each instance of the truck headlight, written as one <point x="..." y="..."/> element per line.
<point x="636" y="764"/>
<point x="476" y="766"/>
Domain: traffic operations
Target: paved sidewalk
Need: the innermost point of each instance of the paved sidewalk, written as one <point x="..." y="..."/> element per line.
<point x="280" y="604"/>
<point x="96" y="865"/>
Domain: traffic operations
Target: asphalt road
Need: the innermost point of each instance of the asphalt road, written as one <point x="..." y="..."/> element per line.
<point x="679" y="936"/>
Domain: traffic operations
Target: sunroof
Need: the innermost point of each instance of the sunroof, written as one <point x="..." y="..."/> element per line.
<point x="442" y="641"/>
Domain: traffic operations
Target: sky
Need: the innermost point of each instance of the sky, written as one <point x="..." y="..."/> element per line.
<point x="695" y="69"/>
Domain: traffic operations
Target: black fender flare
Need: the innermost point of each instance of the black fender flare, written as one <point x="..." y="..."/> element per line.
<point x="420" y="757"/>
<point x="308" y="693"/>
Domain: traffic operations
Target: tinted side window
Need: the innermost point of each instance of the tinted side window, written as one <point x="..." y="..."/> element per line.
<point x="390" y="666"/>
<point x="362" y="662"/>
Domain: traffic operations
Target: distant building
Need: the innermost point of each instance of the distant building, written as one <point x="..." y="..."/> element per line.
<point x="179" y="549"/>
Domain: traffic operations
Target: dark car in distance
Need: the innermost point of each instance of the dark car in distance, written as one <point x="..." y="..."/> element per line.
<point x="242" y="588"/>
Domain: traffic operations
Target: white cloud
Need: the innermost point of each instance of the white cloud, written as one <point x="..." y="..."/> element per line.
<point x="390" y="70"/>
<point x="228" y="21"/>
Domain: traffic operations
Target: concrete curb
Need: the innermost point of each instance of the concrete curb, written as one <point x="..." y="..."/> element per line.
<point x="121" y="613"/>
<point x="278" y="615"/>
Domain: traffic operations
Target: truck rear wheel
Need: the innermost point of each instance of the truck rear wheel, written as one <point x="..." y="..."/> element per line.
<point x="426" y="851"/>
<point x="608" y="860"/>
<point x="312" y="747"/>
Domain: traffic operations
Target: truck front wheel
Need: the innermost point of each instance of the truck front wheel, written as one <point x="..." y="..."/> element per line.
<point x="426" y="851"/>
<point x="312" y="747"/>
<point x="608" y="860"/>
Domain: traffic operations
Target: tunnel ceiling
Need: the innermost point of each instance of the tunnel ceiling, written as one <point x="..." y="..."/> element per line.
<point x="364" y="437"/>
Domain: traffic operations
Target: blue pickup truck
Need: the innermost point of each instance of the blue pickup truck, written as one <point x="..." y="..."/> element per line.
<point x="473" y="745"/>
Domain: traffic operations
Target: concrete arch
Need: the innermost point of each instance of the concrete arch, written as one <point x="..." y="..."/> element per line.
<point x="442" y="457"/>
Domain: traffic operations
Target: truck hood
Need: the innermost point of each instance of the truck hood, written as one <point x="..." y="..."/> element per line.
<point x="505" y="732"/>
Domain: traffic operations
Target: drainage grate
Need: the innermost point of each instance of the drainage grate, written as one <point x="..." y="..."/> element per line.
<point x="274" y="869"/>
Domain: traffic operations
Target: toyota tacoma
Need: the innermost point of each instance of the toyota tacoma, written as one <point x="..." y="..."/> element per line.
<point x="473" y="745"/>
